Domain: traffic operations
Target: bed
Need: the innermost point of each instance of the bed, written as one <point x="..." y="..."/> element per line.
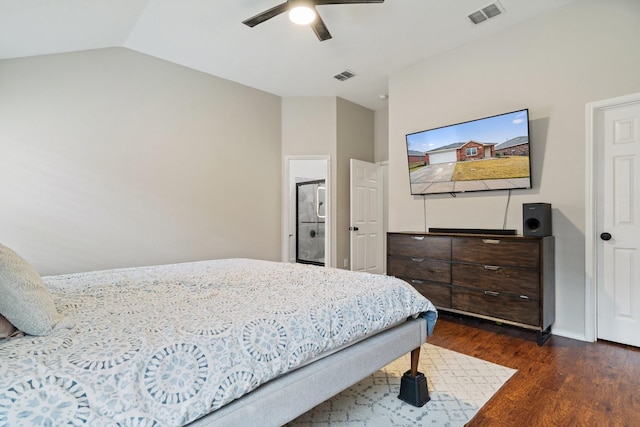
<point x="220" y="342"/>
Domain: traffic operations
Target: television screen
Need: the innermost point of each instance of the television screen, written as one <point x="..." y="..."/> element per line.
<point x="491" y="153"/>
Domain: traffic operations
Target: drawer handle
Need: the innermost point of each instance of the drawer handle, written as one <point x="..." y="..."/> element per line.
<point x="524" y="297"/>
<point x="417" y="282"/>
<point x="417" y="237"/>
<point x="491" y="267"/>
<point x="491" y="241"/>
<point x="417" y="259"/>
<point x="492" y="293"/>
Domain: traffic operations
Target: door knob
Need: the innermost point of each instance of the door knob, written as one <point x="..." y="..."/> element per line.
<point x="605" y="236"/>
<point x="353" y="228"/>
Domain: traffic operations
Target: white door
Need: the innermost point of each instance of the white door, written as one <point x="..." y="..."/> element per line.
<point x="617" y="134"/>
<point x="367" y="238"/>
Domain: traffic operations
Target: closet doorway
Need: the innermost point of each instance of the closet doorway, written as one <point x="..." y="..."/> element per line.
<point x="307" y="210"/>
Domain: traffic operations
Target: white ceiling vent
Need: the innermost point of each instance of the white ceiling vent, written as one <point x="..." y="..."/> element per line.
<point x="345" y="75"/>
<point x="487" y="12"/>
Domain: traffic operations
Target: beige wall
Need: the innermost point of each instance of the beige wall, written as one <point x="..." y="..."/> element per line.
<point x="309" y="125"/>
<point x="552" y="65"/>
<point x="309" y="129"/>
<point x="381" y="135"/>
<point x="111" y="158"/>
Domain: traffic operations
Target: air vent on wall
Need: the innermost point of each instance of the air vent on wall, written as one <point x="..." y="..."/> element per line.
<point x="345" y="75"/>
<point x="487" y="12"/>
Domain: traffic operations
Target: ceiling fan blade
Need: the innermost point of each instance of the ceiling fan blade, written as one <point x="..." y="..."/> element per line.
<point x="267" y="14"/>
<point x="320" y="2"/>
<point x="320" y="28"/>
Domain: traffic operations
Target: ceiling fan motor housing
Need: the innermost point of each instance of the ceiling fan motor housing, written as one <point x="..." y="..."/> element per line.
<point x="313" y="18"/>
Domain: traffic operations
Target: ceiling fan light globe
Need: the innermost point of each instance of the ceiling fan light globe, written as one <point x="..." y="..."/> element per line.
<point x="302" y="15"/>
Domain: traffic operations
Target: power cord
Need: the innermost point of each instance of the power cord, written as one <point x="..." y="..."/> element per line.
<point x="506" y="209"/>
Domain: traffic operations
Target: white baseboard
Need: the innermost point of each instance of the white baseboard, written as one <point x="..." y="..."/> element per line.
<point x="567" y="334"/>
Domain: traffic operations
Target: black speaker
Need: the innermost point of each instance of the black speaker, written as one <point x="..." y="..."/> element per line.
<point x="536" y="219"/>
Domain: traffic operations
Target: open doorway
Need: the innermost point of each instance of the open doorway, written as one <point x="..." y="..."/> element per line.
<point x="316" y="237"/>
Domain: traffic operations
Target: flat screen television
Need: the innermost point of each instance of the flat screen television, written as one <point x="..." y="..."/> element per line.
<point x="491" y="153"/>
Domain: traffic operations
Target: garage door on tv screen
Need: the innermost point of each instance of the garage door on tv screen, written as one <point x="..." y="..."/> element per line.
<point x="491" y="153"/>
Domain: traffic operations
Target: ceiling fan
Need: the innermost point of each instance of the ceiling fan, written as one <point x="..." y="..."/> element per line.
<point x="305" y="8"/>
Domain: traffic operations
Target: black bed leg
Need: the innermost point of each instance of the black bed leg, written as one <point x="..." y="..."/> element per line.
<point x="413" y="385"/>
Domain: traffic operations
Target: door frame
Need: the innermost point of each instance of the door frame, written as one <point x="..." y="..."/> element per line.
<point x="591" y="219"/>
<point x="288" y="206"/>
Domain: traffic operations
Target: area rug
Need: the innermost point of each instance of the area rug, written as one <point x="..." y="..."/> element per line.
<point x="459" y="386"/>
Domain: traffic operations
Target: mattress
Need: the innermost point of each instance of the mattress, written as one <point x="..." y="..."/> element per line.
<point x="165" y="345"/>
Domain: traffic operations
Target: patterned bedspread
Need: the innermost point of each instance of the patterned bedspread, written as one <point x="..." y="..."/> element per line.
<point x="165" y="345"/>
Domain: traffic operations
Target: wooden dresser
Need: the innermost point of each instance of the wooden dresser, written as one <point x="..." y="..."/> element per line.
<point x="508" y="279"/>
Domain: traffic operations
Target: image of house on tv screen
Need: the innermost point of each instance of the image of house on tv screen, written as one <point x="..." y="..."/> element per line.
<point x="491" y="153"/>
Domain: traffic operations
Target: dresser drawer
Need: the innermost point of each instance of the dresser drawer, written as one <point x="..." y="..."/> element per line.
<point x="518" y="281"/>
<point x="419" y="268"/>
<point x="419" y="246"/>
<point x="438" y="294"/>
<point x="501" y="306"/>
<point x="497" y="251"/>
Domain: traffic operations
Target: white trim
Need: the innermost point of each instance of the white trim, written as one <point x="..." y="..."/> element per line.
<point x="591" y="223"/>
<point x="567" y="334"/>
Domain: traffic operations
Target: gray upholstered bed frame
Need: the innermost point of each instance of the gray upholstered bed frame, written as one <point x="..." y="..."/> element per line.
<point x="284" y="398"/>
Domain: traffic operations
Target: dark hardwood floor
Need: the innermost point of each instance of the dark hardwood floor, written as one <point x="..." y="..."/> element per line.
<point x="563" y="383"/>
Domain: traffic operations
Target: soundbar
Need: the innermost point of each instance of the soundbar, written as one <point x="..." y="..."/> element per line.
<point x="499" y="231"/>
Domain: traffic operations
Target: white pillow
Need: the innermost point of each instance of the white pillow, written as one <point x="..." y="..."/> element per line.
<point x="24" y="299"/>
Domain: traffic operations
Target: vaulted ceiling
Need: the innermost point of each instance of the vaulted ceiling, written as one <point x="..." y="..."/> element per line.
<point x="277" y="56"/>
